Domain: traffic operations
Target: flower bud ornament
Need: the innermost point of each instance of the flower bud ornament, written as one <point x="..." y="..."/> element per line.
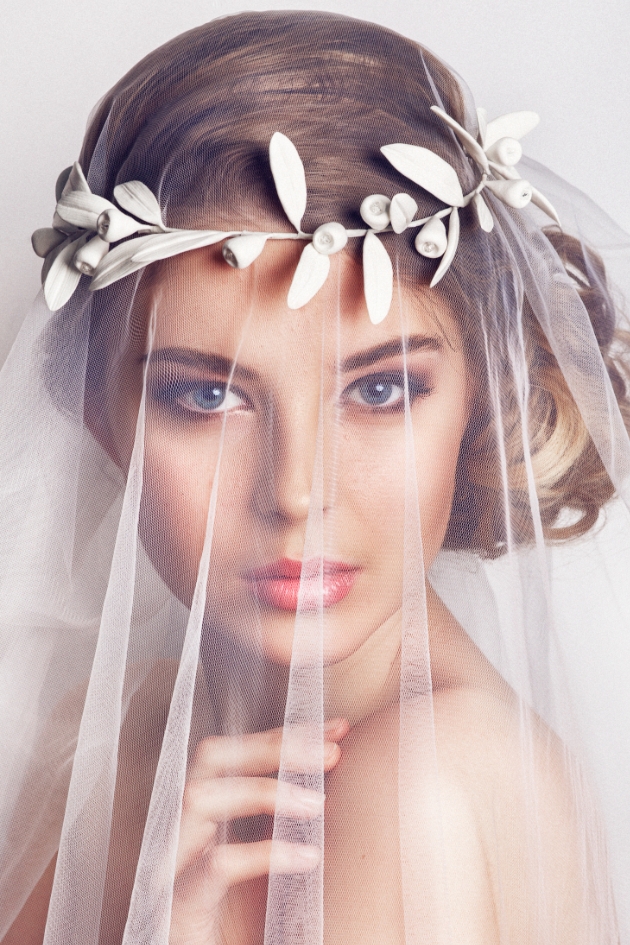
<point x="241" y="251"/>
<point x="375" y="211"/>
<point x="506" y="151"/>
<point x="89" y="256"/>
<point x="113" y="225"/>
<point x="432" y="238"/>
<point x="515" y="193"/>
<point x="329" y="238"/>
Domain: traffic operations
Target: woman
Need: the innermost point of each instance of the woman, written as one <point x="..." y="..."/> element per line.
<point x="232" y="480"/>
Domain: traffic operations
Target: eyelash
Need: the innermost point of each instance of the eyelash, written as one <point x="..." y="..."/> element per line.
<point x="173" y="395"/>
<point x="417" y="387"/>
<point x="362" y="394"/>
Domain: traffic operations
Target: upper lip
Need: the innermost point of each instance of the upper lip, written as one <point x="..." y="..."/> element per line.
<point x="290" y="569"/>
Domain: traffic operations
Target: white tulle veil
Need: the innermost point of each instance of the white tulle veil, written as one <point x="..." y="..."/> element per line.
<point x="133" y="629"/>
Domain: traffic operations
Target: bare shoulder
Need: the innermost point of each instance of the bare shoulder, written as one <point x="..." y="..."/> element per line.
<point x="502" y="811"/>
<point x="532" y="810"/>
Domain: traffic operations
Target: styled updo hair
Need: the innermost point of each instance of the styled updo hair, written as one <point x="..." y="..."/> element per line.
<point x="193" y="121"/>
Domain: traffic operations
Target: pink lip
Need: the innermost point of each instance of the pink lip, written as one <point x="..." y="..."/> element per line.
<point x="278" y="584"/>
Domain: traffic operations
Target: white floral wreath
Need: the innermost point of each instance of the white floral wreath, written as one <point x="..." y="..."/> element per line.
<point x="85" y="225"/>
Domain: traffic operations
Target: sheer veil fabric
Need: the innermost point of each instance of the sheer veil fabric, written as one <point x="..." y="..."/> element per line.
<point x="222" y="518"/>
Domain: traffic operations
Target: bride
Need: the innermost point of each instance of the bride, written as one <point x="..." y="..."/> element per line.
<point x="317" y="404"/>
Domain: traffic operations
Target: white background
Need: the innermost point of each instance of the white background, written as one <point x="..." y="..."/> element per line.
<point x="566" y="59"/>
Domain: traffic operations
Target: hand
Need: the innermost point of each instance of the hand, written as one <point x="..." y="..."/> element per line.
<point x="214" y="795"/>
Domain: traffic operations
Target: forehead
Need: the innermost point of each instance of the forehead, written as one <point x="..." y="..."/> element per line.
<point x="201" y="303"/>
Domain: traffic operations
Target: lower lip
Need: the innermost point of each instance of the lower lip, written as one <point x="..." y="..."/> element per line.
<point x="283" y="593"/>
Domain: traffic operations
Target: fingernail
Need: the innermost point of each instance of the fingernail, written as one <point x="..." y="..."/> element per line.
<point x="331" y="751"/>
<point x="304" y="801"/>
<point x="333" y="725"/>
<point x="305" y="855"/>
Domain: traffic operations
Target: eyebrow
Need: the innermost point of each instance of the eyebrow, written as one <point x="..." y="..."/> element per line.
<point x="390" y="349"/>
<point x="213" y="363"/>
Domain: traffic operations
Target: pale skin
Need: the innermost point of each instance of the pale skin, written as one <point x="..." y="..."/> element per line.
<point x="483" y="822"/>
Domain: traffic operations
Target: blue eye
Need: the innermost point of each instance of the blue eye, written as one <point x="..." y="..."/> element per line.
<point x="199" y="397"/>
<point x="208" y="396"/>
<point x="377" y="391"/>
<point x="386" y="390"/>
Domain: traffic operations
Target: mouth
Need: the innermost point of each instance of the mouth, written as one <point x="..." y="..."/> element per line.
<point x="288" y="584"/>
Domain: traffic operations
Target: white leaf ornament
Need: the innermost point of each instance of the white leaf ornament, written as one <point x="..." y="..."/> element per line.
<point x="81" y="209"/>
<point x="165" y="245"/>
<point x="289" y="178"/>
<point x="513" y="125"/>
<point x="451" y="247"/>
<point x="135" y="197"/>
<point x="427" y="169"/>
<point x="508" y="173"/>
<point x="62" y="180"/>
<point x="45" y="240"/>
<point x="76" y="181"/>
<point x="482" y="121"/>
<point x="486" y="221"/>
<point x="543" y="204"/>
<point x="402" y="210"/>
<point x="378" y="278"/>
<point x="52" y="255"/>
<point x="310" y="275"/>
<point x="241" y="251"/>
<point x="118" y="263"/>
<point x="63" y="277"/>
<point x="472" y="147"/>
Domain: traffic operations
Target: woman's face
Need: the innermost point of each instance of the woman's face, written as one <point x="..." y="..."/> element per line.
<point x="297" y="420"/>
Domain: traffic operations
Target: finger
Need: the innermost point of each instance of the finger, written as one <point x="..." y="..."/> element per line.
<point x="221" y="799"/>
<point x="259" y="753"/>
<point x="238" y="862"/>
<point x="209" y="802"/>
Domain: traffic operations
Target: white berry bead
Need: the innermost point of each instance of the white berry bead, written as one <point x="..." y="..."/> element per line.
<point x="431" y="240"/>
<point x="375" y="211"/>
<point x="329" y="238"/>
<point x="506" y="151"/>
<point x="515" y="193"/>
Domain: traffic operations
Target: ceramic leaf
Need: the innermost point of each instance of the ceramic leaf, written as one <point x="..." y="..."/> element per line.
<point x="76" y="180"/>
<point x="164" y="245"/>
<point x="472" y="147"/>
<point x="543" y="204"/>
<point x="427" y="169"/>
<point x="136" y="198"/>
<point x="378" y="278"/>
<point x="118" y="263"/>
<point x="486" y="220"/>
<point x="402" y="211"/>
<point x="288" y="174"/>
<point x="451" y="247"/>
<point x="482" y="121"/>
<point x="81" y="209"/>
<point x="515" y="125"/>
<point x="63" y="277"/>
<point x="309" y="277"/>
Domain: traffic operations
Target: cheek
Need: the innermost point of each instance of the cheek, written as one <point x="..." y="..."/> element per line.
<point x="375" y="480"/>
<point x="179" y="473"/>
<point x="436" y="465"/>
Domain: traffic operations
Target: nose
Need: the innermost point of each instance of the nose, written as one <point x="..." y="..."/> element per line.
<point x="286" y="473"/>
